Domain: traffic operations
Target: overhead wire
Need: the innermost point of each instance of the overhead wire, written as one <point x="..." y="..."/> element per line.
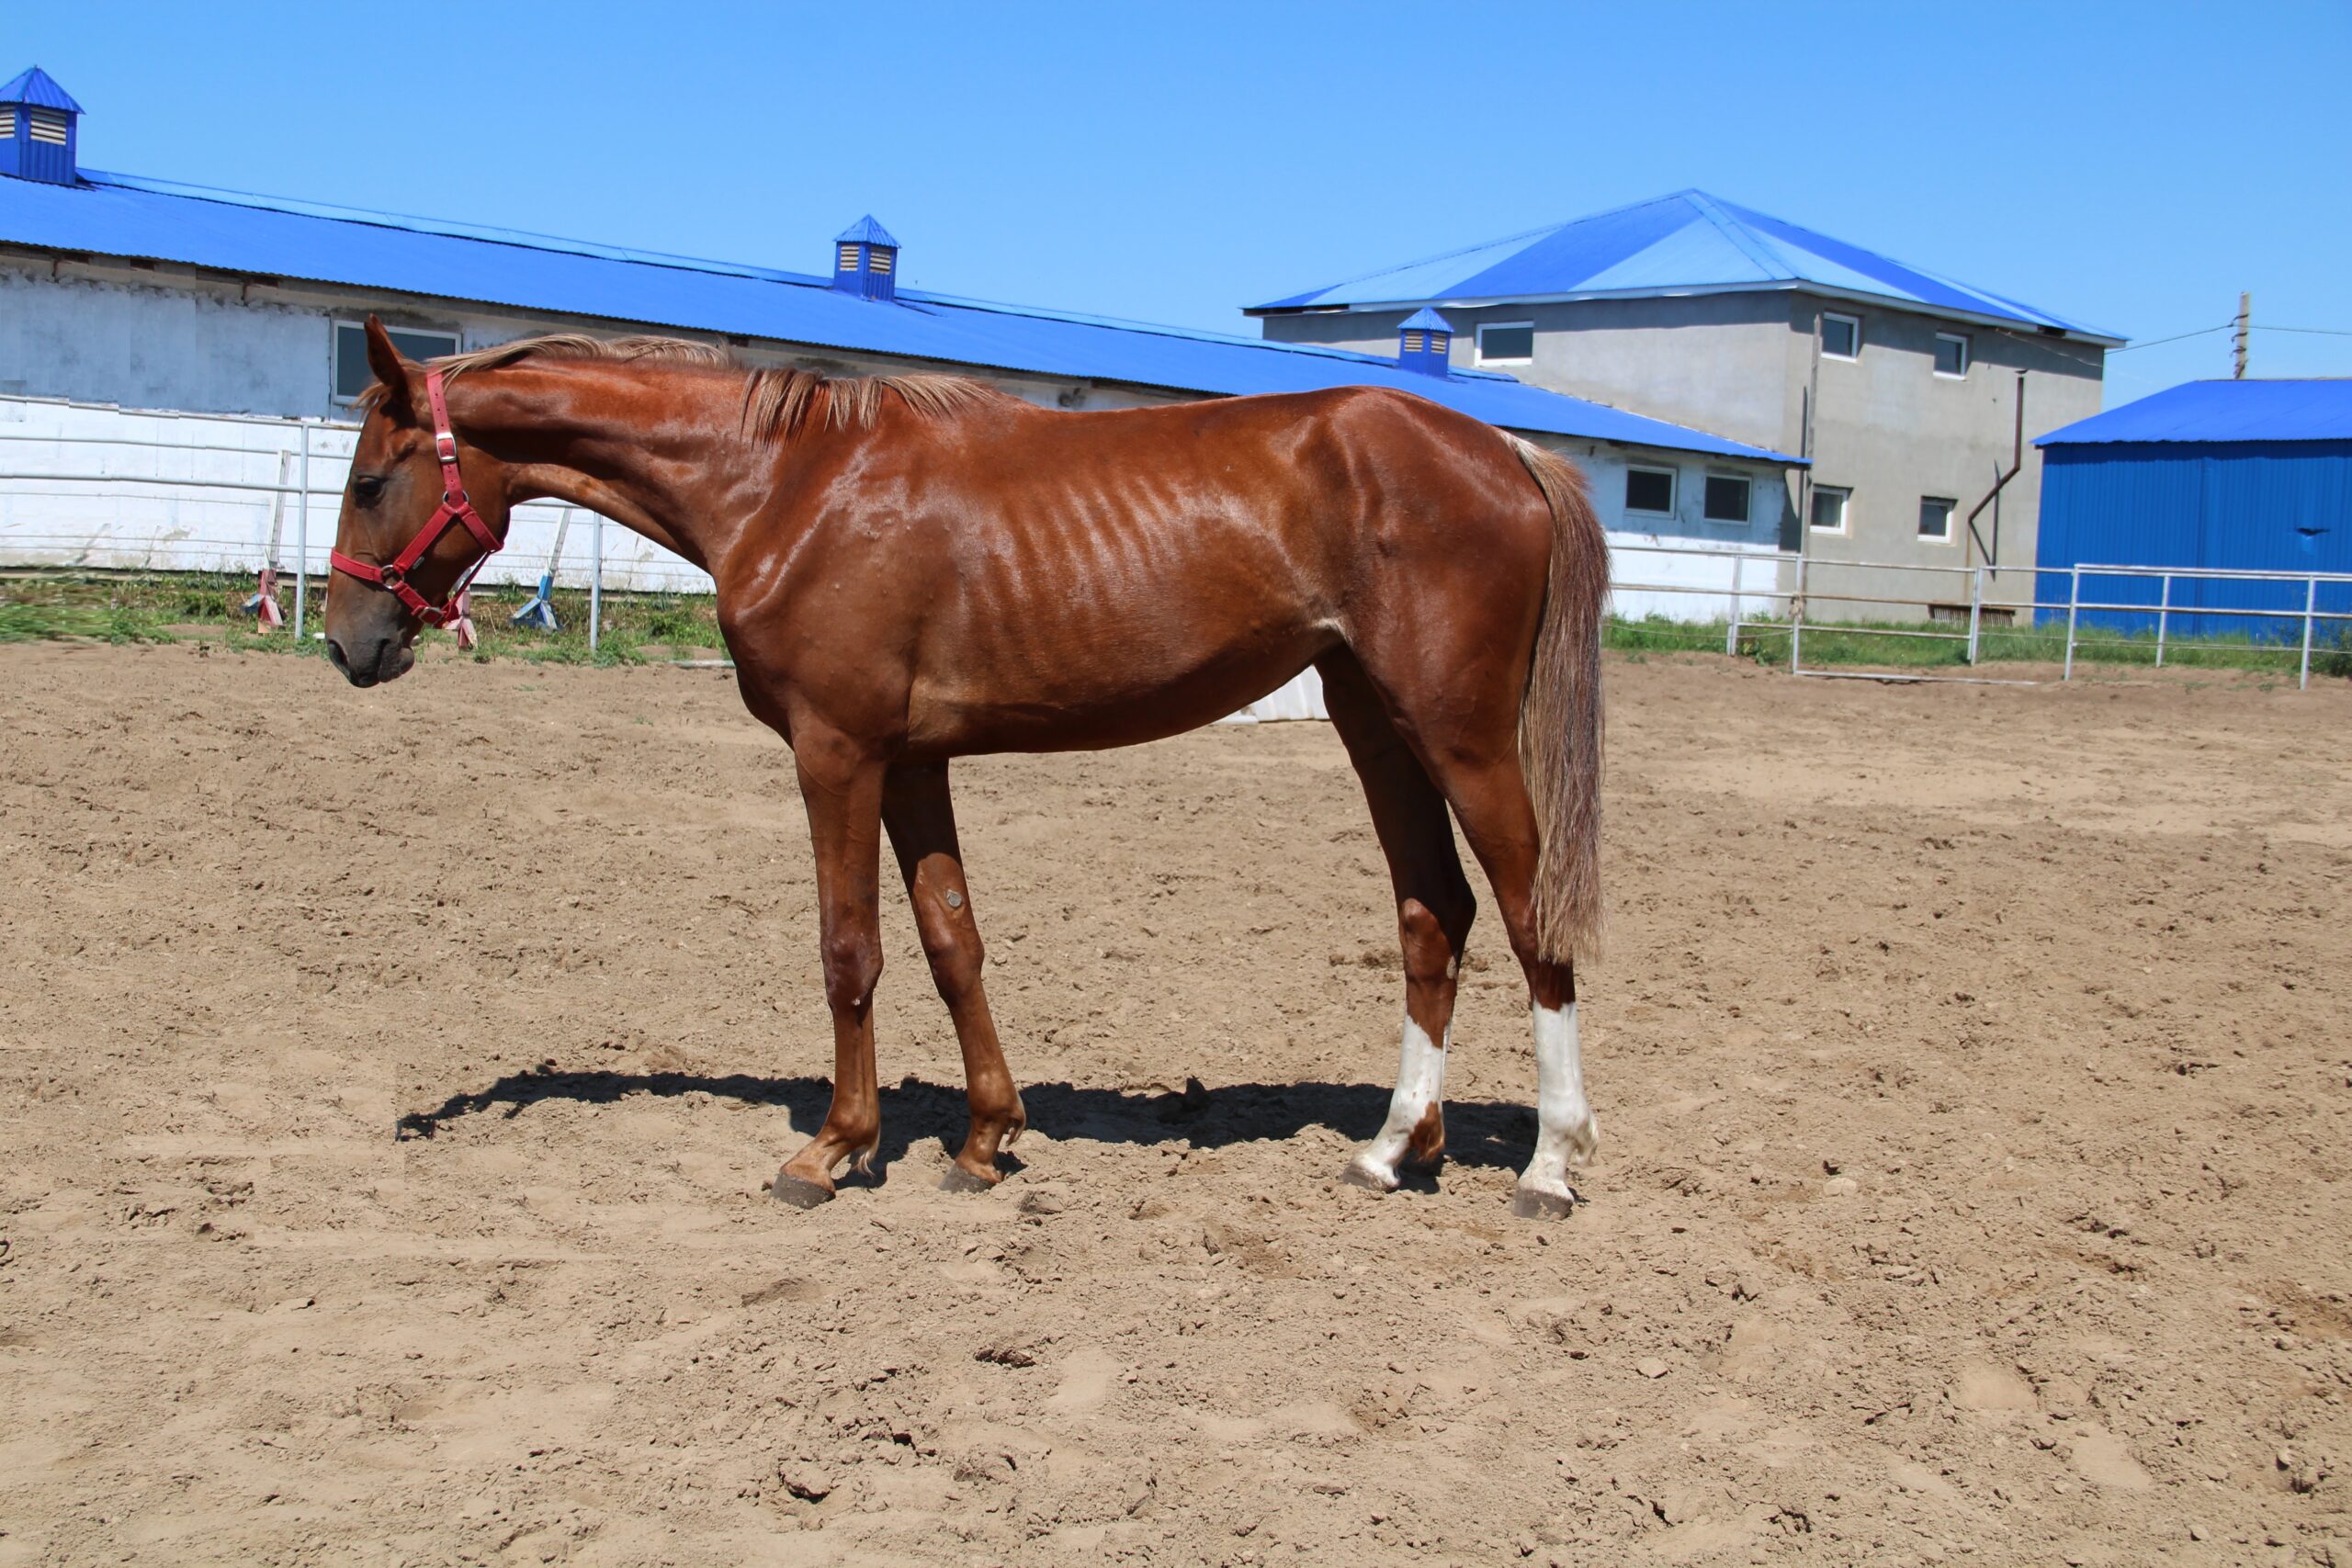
<point x="2178" y="337"/>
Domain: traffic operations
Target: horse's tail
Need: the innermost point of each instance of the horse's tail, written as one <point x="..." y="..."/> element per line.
<point x="1559" y="717"/>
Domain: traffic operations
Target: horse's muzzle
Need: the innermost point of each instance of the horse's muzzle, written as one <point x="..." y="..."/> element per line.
<point x="383" y="659"/>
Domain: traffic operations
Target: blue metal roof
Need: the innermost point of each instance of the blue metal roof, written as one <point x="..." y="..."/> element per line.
<point x="1683" y="243"/>
<point x="866" y="231"/>
<point x="117" y="215"/>
<point x="2222" y="411"/>
<point x="1425" y="319"/>
<point x="39" y="89"/>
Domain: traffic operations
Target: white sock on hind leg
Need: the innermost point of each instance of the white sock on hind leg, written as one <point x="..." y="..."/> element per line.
<point x="1565" y="1130"/>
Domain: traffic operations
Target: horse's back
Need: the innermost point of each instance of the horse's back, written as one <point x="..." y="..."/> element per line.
<point x="1063" y="581"/>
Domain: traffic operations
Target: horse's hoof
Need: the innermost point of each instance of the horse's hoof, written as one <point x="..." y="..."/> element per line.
<point x="1533" y="1203"/>
<point x="798" y="1192"/>
<point x="958" y="1179"/>
<point x="1358" y="1174"/>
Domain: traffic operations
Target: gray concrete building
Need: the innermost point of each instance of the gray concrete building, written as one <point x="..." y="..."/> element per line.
<point x="1908" y="392"/>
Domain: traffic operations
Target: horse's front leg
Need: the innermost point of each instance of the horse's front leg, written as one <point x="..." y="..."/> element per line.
<point x="843" y="790"/>
<point x="921" y="816"/>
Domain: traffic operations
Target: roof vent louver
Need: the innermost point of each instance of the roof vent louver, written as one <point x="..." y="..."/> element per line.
<point x="1425" y="342"/>
<point x="38" y="121"/>
<point x="865" y="260"/>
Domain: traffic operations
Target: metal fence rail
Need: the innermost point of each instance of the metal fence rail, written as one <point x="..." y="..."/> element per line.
<point x="291" y="474"/>
<point x="2309" y="617"/>
<point x="1750" y="590"/>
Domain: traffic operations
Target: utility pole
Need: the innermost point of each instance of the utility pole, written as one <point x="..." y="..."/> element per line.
<point x="2238" y="343"/>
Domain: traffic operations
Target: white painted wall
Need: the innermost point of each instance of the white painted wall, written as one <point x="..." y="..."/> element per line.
<point x="1662" y="577"/>
<point x="89" y="484"/>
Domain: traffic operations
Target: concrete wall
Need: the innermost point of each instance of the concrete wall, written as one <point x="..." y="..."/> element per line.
<point x="1888" y="428"/>
<point x="166" y="338"/>
<point x="1715" y="362"/>
<point x="1892" y="432"/>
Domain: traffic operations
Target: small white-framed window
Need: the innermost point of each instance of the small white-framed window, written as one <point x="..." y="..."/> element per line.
<point x="1829" y="503"/>
<point x="1951" y="355"/>
<point x="1507" y="342"/>
<point x="352" y="375"/>
<point x="1841" y="336"/>
<point x="1650" y="492"/>
<point x="1935" y="519"/>
<point x="1728" y="498"/>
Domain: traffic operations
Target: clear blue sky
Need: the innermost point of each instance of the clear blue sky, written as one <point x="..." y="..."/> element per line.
<point x="2129" y="164"/>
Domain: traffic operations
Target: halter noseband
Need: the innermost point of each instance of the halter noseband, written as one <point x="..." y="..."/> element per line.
<point x="392" y="577"/>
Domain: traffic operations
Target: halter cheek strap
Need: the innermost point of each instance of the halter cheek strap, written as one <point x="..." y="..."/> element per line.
<point x="393" y="576"/>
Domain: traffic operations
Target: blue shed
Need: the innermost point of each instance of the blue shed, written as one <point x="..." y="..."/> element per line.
<point x="2245" y="475"/>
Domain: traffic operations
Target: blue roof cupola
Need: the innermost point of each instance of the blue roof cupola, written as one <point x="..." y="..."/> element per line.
<point x="38" y="128"/>
<point x="1425" y="342"/>
<point x="865" y="260"/>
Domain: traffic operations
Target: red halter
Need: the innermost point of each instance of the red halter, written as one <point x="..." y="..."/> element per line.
<point x="392" y="577"/>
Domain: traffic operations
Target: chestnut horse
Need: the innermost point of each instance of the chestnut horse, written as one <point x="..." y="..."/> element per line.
<point x="914" y="568"/>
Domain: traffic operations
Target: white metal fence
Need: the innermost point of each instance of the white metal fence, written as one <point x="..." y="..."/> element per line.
<point x="95" y="486"/>
<point x="100" y="487"/>
<point x="1977" y="595"/>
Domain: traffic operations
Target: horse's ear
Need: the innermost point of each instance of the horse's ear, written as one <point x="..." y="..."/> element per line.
<point x="397" y="374"/>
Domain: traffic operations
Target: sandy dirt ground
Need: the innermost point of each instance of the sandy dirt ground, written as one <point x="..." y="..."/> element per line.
<point x="387" y="1081"/>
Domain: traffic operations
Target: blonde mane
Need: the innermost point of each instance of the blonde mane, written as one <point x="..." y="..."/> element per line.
<point x="776" y="404"/>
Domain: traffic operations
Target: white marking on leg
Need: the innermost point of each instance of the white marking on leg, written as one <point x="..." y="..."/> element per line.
<point x="1421" y="1084"/>
<point x="1566" y="1133"/>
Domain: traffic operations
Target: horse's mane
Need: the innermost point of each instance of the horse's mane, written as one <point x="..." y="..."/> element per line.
<point x="776" y="403"/>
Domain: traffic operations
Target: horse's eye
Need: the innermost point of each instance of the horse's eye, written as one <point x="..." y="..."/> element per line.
<point x="366" y="489"/>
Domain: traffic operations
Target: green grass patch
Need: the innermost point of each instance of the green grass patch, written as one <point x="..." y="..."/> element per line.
<point x="1873" y="644"/>
<point x="145" y="607"/>
<point x="641" y="628"/>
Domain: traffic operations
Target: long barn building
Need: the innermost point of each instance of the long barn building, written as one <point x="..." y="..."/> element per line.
<point x="203" y="310"/>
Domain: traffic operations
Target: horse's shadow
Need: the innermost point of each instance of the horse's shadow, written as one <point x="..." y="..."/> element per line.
<point x="1477" y="1133"/>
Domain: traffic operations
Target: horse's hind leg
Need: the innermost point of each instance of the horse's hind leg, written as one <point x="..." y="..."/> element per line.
<point x="1434" y="910"/>
<point x="1489" y="795"/>
<point x="920" y="818"/>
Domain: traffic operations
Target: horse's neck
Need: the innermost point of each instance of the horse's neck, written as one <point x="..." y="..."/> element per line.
<point x="658" y="452"/>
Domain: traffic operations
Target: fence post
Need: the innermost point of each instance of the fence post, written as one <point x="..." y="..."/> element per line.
<point x="2163" y="618"/>
<point x="595" y="577"/>
<point x="302" y="540"/>
<point x="1731" y="638"/>
<point x="1796" y="618"/>
<point x="2073" y="603"/>
<point x="2311" y="603"/>
<point x="1976" y="610"/>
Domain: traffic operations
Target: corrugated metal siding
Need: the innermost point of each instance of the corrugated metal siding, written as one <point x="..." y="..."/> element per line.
<point x="2236" y="506"/>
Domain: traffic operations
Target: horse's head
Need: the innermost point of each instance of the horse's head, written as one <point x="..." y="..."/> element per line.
<point x="412" y="531"/>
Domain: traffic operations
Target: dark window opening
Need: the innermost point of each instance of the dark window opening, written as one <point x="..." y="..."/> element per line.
<point x="1830" y="509"/>
<point x="352" y="375"/>
<point x="1510" y="342"/>
<point x="1726" y="499"/>
<point x="1649" y="489"/>
<point x="1841" y="336"/>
